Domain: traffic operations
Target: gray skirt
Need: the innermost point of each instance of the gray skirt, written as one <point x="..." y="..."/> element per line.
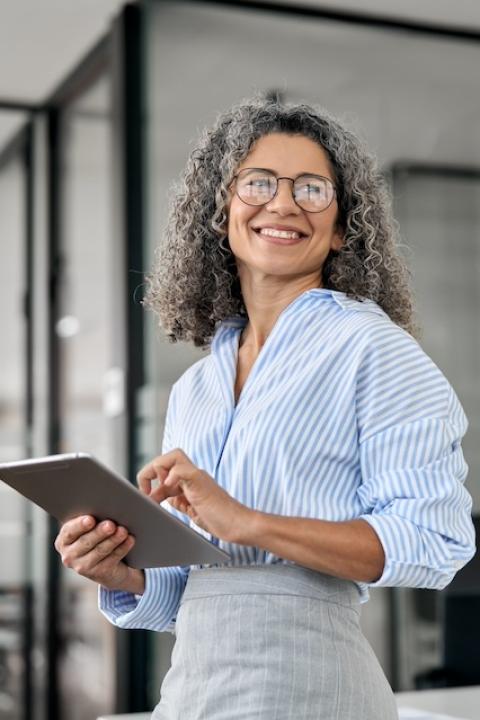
<point x="272" y="642"/>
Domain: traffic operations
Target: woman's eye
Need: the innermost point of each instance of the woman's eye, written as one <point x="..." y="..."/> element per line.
<point x="311" y="189"/>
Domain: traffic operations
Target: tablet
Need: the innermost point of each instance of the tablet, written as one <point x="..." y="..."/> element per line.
<point x="77" y="484"/>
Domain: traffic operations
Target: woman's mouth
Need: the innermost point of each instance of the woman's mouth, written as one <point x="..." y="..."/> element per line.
<point x="280" y="237"/>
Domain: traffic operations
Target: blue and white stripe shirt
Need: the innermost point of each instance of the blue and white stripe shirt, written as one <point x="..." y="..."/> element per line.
<point x="342" y="416"/>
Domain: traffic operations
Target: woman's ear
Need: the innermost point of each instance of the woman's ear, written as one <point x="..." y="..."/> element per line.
<point x="228" y="202"/>
<point x="230" y="190"/>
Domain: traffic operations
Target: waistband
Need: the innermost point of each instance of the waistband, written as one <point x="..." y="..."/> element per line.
<point x="270" y="579"/>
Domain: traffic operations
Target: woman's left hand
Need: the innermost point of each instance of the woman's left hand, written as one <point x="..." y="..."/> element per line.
<point x="194" y="492"/>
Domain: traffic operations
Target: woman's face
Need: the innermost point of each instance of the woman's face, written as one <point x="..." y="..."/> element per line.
<point x="262" y="254"/>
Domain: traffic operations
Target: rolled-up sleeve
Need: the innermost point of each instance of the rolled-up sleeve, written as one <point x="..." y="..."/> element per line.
<point x="411" y="424"/>
<point x="156" y="609"/>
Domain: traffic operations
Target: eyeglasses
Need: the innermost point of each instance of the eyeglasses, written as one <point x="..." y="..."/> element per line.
<point x="257" y="186"/>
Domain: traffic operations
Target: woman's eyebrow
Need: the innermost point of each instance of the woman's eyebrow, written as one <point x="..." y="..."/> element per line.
<point x="274" y="172"/>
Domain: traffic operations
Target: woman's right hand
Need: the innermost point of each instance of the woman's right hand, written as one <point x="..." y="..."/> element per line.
<point x="96" y="551"/>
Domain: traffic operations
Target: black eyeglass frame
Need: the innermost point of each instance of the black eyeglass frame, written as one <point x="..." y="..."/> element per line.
<point x="270" y="172"/>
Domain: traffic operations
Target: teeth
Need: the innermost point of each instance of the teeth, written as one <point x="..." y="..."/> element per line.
<point x="279" y="233"/>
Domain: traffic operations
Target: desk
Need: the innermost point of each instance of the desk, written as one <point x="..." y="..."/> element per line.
<point x="133" y="716"/>
<point x="459" y="702"/>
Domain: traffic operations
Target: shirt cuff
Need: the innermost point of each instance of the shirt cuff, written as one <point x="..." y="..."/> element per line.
<point x="155" y="609"/>
<point x="121" y="607"/>
<point x="407" y="560"/>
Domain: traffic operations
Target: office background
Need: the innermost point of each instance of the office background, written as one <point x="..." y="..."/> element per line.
<point x="100" y="104"/>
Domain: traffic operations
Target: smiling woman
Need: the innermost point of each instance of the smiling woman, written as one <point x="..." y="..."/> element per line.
<point x="317" y="443"/>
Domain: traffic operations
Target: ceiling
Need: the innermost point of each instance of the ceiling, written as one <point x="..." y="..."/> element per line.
<point x="41" y="42"/>
<point x="460" y="14"/>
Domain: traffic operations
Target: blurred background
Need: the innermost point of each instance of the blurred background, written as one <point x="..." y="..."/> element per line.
<point x="100" y="105"/>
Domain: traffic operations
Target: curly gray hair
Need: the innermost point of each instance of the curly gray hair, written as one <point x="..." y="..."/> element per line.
<point x="194" y="283"/>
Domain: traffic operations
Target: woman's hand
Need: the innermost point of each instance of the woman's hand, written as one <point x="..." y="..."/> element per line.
<point x="96" y="551"/>
<point x="193" y="492"/>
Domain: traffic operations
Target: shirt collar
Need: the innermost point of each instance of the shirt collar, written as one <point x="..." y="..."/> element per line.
<point x="339" y="297"/>
<point x="348" y="303"/>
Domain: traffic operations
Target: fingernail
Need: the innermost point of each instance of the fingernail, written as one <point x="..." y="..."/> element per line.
<point x="86" y="521"/>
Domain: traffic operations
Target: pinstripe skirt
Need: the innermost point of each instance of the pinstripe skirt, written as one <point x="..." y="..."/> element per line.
<point x="272" y="642"/>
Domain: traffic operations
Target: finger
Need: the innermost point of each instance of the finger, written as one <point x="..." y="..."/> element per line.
<point x="145" y="477"/>
<point x="101" y="551"/>
<point x="183" y="506"/>
<point x="123" y="549"/>
<point x="180" y="503"/>
<point x="86" y="543"/>
<point x="75" y="551"/>
<point x="181" y="477"/>
<point x="73" y="529"/>
<point x="172" y="484"/>
<point x="162" y="492"/>
<point x="156" y="469"/>
<point x="181" y="472"/>
<point x="105" y="566"/>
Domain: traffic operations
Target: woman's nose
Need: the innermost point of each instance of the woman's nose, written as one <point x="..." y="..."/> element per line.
<point x="283" y="202"/>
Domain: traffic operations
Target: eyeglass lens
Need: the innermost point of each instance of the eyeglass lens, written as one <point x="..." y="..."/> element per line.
<point x="257" y="187"/>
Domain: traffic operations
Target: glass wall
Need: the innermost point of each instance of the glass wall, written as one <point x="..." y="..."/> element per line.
<point x="39" y="439"/>
<point x="90" y="387"/>
<point x="12" y="284"/>
<point x="14" y="512"/>
<point x="71" y="384"/>
<point x="411" y="97"/>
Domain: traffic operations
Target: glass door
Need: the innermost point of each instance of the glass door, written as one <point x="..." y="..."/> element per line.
<point x="439" y="214"/>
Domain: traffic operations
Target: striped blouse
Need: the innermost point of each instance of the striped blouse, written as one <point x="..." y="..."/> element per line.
<point x="342" y="416"/>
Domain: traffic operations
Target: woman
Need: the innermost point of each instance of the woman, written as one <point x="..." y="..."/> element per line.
<point x="316" y="443"/>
